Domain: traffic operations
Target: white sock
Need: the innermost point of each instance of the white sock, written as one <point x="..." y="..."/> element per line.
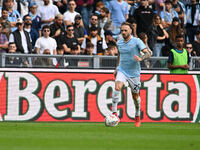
<point x="114" y="107"/>
<point x="115" y="100"/>
<point x="137" y="107"/>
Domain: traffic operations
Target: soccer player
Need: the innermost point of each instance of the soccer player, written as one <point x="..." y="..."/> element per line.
<point x="128" y="68"/>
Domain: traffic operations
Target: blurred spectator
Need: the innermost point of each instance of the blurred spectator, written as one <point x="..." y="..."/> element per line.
<point x="22" y="7"/>
<point x="144" y="38"/>
<point x="99" y="5"/>
<point x="94" y="22"/>
<point x="60" y="61"/>
<point x="79" y="30"/>
<point x="174" y="30"/>
<point x="160" y="4"/>
<point x="38" y="2"/>
<point x="192" y="19"/>
<point x="85" y="9"/>
<point x="57" y="28"/>
<point x="160" y="34"/>
<point x="12" y="14"/>
<point x="41" y="2"/>
<point x="109" y="37"/>
<point x="32" y="31"/>
<point x="13" y="61"/>
<point x="167" y="14"/>
<point x="6" y="25"/>
<point x="3" y="41"/>
<point x="61" y="4"/>
<point x="60" y="50"/>
<point x="45" y="42"/>
<point x="179" y="7"/>
<point x="143" y="16"/>
<point x="69" y="40"/>
<point x="119" y="13"/>
<point x="89" y="49"/>
<point x="152" y="5"/>
<point x="132" y="21"/>
<point x="111" y="50"/>
<point x="196" y="43"/>
<point x="75" y="50"/>
<point x="104" y="21"/>
<point x="99" y="43"/>
<point x="45" y="61"/>
<point x="36" y="20"/>
<point x="74" y="62"/>
<point x="107" y="3"/>
<point x="190" y="49"/>
<point x="178" y="61"/>
<point x="71" y="13"/>
<point x="47" y="12"/>
<point x="21" y="38"/>
<point x="185" y="2"/>
<point x="134" y="4"/>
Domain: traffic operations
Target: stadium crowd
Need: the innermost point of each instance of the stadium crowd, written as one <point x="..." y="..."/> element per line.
<point x="92" y="27"/>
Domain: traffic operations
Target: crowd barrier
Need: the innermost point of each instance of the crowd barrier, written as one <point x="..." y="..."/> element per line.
<point x="84" y="95"/>
<point x="81" y="61"/>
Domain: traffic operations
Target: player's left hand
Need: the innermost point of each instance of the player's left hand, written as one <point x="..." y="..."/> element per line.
<point x="137" y="58"/>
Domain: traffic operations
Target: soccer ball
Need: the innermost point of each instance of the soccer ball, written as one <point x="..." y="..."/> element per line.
<point x="111" y="121"/>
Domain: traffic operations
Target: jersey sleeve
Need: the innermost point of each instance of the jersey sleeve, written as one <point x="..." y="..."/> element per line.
<point x="141" y="44"/>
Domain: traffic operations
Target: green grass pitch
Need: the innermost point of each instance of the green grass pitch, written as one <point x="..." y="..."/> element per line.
<point x="96" y="136"/>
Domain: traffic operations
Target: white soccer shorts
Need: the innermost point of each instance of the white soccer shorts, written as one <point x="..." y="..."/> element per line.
<point x="134" y="83"/>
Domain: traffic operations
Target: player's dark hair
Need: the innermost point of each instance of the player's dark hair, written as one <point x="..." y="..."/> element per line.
<point x="128" y="24"/>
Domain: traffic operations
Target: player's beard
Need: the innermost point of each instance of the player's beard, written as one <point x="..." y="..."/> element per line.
<point x="126" y="36"/>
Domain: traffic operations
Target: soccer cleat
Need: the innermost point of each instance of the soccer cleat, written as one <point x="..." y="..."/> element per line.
<point x="137" y="121"/>
<point x="115" y="113"/>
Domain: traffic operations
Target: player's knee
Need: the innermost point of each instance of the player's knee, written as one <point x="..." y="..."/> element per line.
<point x="118" y="87"/>
<point x="135" y="96"/>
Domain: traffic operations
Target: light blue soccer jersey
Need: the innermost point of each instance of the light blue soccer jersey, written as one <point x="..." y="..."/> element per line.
<point x="127" y="65"/>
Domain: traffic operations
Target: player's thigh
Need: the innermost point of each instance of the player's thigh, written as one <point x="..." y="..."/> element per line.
<point x="120" y="81"/>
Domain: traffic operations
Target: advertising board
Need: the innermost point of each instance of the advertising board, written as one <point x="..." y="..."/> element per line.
<point x="86" y="97"/>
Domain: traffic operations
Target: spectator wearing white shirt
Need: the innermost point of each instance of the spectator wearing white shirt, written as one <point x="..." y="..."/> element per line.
<point x="71" y="13"/>
<point x="47" y="12"/>
<point x="45" y="42"/>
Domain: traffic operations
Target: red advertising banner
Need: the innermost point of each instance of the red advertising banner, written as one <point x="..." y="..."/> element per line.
<point x="86" y="97"/>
